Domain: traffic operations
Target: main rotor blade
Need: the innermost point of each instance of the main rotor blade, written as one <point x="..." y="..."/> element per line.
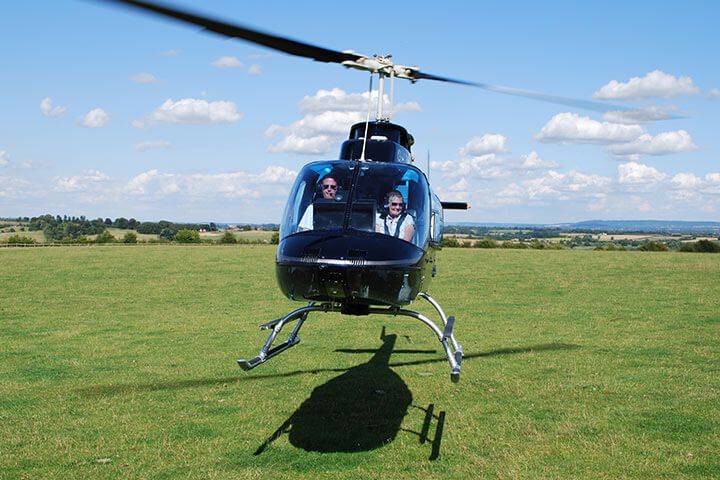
<point x="293" y="47"/>
<point x="543" y="97"/>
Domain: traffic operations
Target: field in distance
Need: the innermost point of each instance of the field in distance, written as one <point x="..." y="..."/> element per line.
<point x="120" y="363"/>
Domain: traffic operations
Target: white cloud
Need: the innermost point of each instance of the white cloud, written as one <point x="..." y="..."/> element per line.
<point x="572" y="128"/>
<point x="4" y="158"/>
<point x="488" y="143"/>
<point x="254" y="69"/>
<point x="686" y="181"/>
<point x="143" y="78"/>
<point x="639" y="177"/>
<point x="715" y="93"/>
<point x="92" y="180"/>
<point x="554" y="185"/>
<point x="96" y="118"/>
<point x="170" y="53"/>
<point x="457" y="192"/>
<point x="337" y="100"/>
<point x="661" y="144"/>
<point x="532" y="161"/>
<point x="151" y="145"/>
<point x="49" y="110"/>
<point x="227" y="62"/>
<point x="229" y="185"/>
<point x="191" y="111"/>
<point x="655" y="84"/>
<point x="11" y="187"/>
<point x="328" y="116"/>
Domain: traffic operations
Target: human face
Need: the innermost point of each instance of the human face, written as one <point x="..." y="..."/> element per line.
<point x="395" y="206"/>
<point x="329" y="188"/>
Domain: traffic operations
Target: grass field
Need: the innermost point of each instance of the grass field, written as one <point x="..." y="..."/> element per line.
<point x="120" y="363"/>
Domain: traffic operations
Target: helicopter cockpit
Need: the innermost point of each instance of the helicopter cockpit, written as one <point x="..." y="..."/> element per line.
<point x="374" y="197"/>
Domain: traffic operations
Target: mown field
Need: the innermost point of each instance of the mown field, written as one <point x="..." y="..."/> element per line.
<point x="120" y="363"/>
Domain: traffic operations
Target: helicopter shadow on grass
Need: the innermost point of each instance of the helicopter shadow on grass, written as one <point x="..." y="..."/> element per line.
<point x="361" y="409"/>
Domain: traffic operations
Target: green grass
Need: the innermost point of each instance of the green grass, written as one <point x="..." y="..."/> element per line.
<point x="578" y="365"/>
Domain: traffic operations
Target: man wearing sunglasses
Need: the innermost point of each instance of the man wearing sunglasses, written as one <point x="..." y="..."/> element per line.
<point x="395" y="220"/>
<point x="329" y="186"/>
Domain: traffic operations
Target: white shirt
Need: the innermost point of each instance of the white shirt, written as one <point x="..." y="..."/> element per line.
<point x="392" y="225"/>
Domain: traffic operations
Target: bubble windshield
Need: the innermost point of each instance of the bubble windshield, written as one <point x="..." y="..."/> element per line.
<point x="385" y="198"/>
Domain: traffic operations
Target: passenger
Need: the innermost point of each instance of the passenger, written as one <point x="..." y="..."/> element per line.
<point x="395" y="220"/>
<point x="329" y="190"/>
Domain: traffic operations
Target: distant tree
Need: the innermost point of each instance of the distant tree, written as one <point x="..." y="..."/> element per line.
<point x="166" y="233"/>
<point x="228" y="238"/>
<point x="148" y="228"/>
<point x="187" y="236"/>
<point x="213" y="227"/>
<point x="275" y="238"/>
<point x="132" y="224"/>
<point x="105" y="237"/>
<point x="130" y="237"/>
<point x="121" y="223"/>
<point x="450" y="242"/>
<point x="486" y="243"/>
<point x="20" y="239"/>
<point x="653" y="246"/>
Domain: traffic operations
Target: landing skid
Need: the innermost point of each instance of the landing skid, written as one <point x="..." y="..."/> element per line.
<point x="453" y="349"/>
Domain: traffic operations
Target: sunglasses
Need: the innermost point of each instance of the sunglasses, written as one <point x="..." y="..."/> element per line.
<point x="329" y="187"/>
<point x="397" y="204"/>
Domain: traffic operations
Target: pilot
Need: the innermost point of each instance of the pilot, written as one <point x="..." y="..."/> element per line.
<point x="329" y="189"/>
<point x="395" y="220"/>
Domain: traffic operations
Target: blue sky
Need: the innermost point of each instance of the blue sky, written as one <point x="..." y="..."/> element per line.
<point x="110" y="112"/>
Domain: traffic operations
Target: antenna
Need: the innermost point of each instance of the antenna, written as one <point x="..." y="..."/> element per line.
<point x="428" y="165"/>
<point x="367" y="120"/>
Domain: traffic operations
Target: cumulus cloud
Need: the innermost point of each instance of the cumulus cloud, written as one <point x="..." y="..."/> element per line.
<point x="152" y="145"/>
<point x="661" y="144"/>
<point x="715" y="93"/>
<point x="227" y="62"/>
<point x="96" y="118"/>
<point x="639" y="177"/>
<point x="655" y="84"/>
<point x="488" y="143"/>
<point x="254" y="69"/>
<point x="554" y="185"/>
<point x="91" y="180"/>
<point x="572" y="128"/>
<point x="191" y="111"/>
<point x="49" y="110"/>
<point x="230" y="184"/>
<point x="143" y="78"/>
<point x="457" y="192"/>
<point x="170" y="53"/>
<point x="532" y="161"/>
<point x="328" y="116"/>
<point x="4" y="158"/>
<point x="493" y="166"/>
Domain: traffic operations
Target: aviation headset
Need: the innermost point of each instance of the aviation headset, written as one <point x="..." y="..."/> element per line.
<point x="386" y="202"/>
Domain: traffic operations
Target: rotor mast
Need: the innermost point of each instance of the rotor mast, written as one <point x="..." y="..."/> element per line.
<point x="383" y="67"/>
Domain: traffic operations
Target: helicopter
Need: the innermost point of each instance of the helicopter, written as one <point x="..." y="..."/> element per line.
<point x="336" y="251"/>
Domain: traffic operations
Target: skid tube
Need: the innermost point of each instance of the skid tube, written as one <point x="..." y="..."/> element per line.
<point x="452" y="348"/>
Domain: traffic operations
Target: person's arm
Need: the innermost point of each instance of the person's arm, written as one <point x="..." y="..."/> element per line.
<point x="409" y="229"/>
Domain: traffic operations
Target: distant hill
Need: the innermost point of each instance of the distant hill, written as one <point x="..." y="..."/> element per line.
<point x="640" y="226"/>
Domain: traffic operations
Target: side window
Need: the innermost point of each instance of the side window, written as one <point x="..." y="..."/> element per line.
<point x="437" y="222"/>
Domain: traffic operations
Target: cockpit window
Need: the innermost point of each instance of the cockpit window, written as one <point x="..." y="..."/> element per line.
<point x="319" y="198"/>
<point x="389" y="199"/>
<point x="400" y="196"/>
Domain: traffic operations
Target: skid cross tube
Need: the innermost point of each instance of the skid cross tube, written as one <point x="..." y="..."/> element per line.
<point x="452" y="348"/>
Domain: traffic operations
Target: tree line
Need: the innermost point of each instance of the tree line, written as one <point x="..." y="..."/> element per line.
<point x="60" y="228"/>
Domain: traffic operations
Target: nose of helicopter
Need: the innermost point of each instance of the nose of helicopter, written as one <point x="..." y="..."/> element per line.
<point x="350" y="267"/>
